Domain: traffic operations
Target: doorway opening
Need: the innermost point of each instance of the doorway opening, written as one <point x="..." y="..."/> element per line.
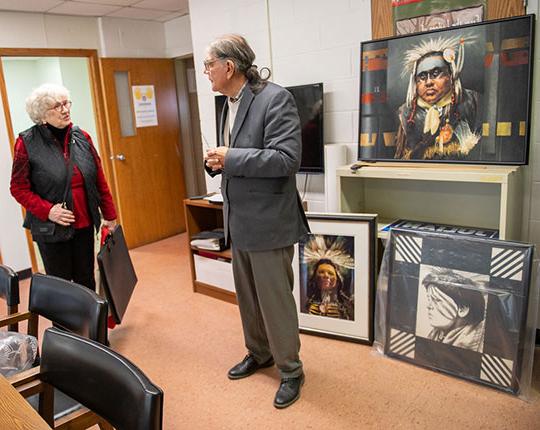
<point x="188" y="108"/>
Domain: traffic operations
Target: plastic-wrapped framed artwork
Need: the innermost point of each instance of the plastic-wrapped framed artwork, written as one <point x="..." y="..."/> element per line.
<point x="334" y="272"/>
<point x="460" y="305"/>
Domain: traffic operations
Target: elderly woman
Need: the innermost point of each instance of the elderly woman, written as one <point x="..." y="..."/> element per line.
<point x="326" y="295"/>
<point x="57" y="177"/>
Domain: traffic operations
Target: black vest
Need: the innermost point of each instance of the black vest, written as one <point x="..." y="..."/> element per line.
<point x="48" y="169"/>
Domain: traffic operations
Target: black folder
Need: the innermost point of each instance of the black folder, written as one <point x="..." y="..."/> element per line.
<point x="118" y="278"/>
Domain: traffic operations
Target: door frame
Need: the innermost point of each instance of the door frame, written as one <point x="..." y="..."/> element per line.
<point x="97" y="98"/>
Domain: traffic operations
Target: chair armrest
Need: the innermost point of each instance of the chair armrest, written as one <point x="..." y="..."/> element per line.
<point x="15" y="318"/>
<point x="24" y="377"/>
<point x="27" y="383"/>
<point x="81" y="418"/>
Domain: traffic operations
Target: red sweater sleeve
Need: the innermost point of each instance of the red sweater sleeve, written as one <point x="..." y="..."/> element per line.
<point x="107" y="205"/>
<point x="20" y="185"/>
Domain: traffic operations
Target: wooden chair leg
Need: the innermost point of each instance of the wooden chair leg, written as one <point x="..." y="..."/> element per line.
<point x="33" y="325"/>
<point x="46" y="404"/>
<point x="13" y="310"/>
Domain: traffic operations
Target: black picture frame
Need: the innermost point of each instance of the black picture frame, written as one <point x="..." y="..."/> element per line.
<point x="458" y="305"/>
<point x="345" y="244"/>
<point x="481" y="83"/>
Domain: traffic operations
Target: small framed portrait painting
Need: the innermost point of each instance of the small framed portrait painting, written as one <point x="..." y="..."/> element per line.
<point x="334" y="270"/>
<point x="459" y="305"/>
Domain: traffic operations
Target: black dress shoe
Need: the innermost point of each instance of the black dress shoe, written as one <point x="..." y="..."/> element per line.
<point x="248" y="367"/>
<point x="288" y="392"/>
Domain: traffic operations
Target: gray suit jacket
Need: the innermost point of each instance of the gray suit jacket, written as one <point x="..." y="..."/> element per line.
<point x="261" y="206"/>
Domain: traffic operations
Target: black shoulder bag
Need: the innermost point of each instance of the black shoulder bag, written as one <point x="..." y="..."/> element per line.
<point x="49" y="231"/>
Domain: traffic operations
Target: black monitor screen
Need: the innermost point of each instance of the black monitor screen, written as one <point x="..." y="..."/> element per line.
<point x="219" y="101"/>
<point x="309" y="101"/>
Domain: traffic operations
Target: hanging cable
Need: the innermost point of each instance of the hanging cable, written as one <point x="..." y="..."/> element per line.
<point x="305" y="186"/>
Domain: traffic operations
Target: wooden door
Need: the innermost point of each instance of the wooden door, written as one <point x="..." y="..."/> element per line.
<point x="147" y="165"/>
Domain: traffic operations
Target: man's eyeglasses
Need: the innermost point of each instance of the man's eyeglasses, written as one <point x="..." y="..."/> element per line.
<point x="208" y="63"/>
<point x="434" y="73"/>
<point x="58" y="107"/>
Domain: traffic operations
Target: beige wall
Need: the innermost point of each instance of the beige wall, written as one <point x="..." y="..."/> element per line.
<point x="112" y="37"/>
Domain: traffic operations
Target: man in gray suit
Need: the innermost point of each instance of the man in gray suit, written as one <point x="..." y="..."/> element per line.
<point x="258" y="156"/>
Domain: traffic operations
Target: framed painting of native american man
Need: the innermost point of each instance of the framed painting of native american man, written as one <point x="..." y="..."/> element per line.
<point x="334" y="271"/>
<point x="459" y="305"/>
<point x="460" y="95"/>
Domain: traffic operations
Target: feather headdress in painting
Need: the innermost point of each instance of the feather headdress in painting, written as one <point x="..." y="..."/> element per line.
<point x="453" y="52"/>
<point x="316" y="248"/>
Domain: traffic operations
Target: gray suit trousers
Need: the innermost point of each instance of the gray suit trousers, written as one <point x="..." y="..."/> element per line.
<point x="264" y="282"/>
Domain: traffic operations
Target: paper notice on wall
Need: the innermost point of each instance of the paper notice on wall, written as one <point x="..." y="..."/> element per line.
<point x="144" y="105"/>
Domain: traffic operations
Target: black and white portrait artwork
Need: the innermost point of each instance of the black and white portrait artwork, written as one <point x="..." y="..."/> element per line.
<point x="459" y="305"/>
<point x="452" y="307"/>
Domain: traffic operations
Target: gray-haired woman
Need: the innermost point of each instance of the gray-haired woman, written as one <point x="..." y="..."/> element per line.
<point x="58" y="178"/>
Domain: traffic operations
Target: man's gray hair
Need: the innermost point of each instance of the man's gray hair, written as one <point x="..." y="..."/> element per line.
<point x="44" y="98"/>
<point x="235" y="48"/>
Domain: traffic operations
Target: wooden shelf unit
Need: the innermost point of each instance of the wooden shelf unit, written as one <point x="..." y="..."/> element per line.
<point x="468" y="195"/>
<point x="200" y="216"/>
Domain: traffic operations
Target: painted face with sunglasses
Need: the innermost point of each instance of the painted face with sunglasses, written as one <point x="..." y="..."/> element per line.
<point x="433" y="80"/>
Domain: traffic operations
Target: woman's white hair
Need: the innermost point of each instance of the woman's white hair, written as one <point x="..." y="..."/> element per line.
<point x="42" y="99"/>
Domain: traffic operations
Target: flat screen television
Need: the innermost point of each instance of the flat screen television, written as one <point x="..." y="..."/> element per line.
<point x="309" y="101"/>
<point x="219" y="101"/>
<point x="456" y="95"/>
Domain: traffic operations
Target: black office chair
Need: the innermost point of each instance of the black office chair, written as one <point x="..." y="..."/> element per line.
<point x="66" y="304"/>
<point x="69" y="306"/>
<point x="9" y="291"/>
<point x="102" y="380"/>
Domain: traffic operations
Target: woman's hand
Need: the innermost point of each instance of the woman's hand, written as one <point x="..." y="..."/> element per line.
<point x="109" y="224"/>
<point x="61" y="216"/>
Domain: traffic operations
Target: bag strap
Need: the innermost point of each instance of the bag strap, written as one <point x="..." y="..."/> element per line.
<point x="69" y="166"/>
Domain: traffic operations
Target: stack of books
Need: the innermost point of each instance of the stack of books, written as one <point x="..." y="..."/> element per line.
<point x="212" y="240"/>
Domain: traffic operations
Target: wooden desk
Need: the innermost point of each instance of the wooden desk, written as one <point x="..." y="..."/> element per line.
<point x="15" y="412"/>
<point x="212" y="277"/>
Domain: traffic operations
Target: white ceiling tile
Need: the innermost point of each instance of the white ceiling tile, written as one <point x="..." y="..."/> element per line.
<point x="157" y="10"/>
<point x="29" y="5"/>
<point x="170" y="5"/>
<point x="171" y="16"/>
<point x="136" y="13"/>
<point x="80" y="8"/>
<point x="112" y="2"/>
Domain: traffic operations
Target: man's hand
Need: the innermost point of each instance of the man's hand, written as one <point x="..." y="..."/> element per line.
<point x="61" y="216"/>
<point x="215" y="157"/>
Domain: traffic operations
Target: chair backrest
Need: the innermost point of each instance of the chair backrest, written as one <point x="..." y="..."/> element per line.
<point x="9" y="285"/>
<point x="70" y="305"/>
<point x="9" y="291"/>
<point x="102" y="380"/>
